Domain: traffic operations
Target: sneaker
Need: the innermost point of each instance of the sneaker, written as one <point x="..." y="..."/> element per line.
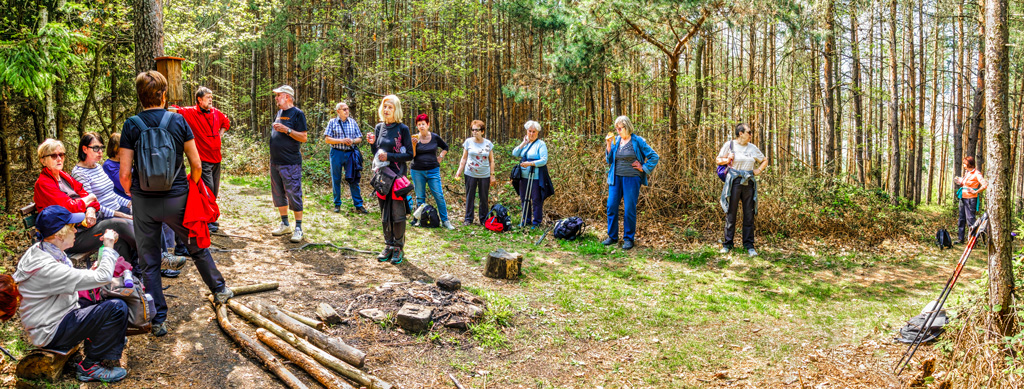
<point x="609" y="241"/>
<point x="180" y="250"/>
<point x="159" y="329"/>
<point x="413" y="221"/>
<point x="397" y="256"/>
<point x="223" y="296"/>
<point x="448" y="225"/>
<point x="752" y="252"/>
<point x="214" y="227"/>
<point x="281" y="230"/>
<point x="361" y="210"/>
<point x="296" y="235"/>
<point x="385" y="254"/>
<point x="724" y="250"/>
<point x="172" y="262"/>
<point x="97" y="372"/>
<point x="337" y="209"/>
<point x="168" y="273"/>
<point x="627" y="244"/>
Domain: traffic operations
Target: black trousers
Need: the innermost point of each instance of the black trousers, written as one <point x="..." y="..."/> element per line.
<point x="102" y="326"/>
<point x="88" y="239"/>
<point x="967" y="217"/>
<point x="473" y="186"/>
<point x="150" y="213"/>
<point x="741" y="194"/>
<point x="392" y="216"/>
<point x="211" y="176"/>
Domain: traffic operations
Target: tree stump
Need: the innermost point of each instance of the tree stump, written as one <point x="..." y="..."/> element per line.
<point x="42" y="366"/>
<point x="504" y="265"/>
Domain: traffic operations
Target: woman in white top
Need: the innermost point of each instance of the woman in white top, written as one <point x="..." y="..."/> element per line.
<point x="90" y="173"/>
<point x="476" y="163"/>
<point x="740" y="186"/>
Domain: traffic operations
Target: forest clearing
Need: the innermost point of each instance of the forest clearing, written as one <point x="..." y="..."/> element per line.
<point x="861" y="147"/>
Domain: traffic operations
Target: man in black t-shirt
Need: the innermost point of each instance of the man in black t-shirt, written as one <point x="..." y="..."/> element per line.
<point x="286" y="139"/>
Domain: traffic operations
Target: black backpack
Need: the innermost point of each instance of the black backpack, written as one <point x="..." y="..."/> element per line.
<point x="429" y="217"/>
<point x="155" y="155"/>
<point x="497" y="219"/>
<point x="569" y="228"/>
<point x="942" y="239"/>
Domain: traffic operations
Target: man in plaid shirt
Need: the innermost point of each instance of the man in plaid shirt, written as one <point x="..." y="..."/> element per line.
<point x="343" y="135"/>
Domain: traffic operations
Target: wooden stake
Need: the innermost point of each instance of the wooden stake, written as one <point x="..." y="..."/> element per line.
<point x="319" y="355"/>
<point x="333" y="346"/>
<point x="319" y="325"/>
<point x="255" y="288"/>
<point x="254" y="347"/>
<point x="314" y="369"/>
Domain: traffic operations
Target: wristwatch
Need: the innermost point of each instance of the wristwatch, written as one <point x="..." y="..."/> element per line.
<point x="289" y="131"/>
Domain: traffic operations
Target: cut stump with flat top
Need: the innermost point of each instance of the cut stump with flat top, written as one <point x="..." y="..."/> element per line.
<point x="503" y="264"/>
<point x="42" y="366"/>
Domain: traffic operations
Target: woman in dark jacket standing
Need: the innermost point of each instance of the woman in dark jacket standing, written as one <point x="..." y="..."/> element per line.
<point x="393" y="137"/>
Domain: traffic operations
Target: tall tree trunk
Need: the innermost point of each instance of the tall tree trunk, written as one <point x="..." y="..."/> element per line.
<point x="149" y="33"/>
<point x="831" y="160"/>
<point x="936" y="53"/>
<point x="815" y="89"/>
<point x="959" y="79"/>
<point x="698" y="76"/>
<point x="978" y="110"/>
<point x="5" y="154"/>
<point x="858" y="117"/>
<point x="91" y="95"/>
<point x="894" y="122"/>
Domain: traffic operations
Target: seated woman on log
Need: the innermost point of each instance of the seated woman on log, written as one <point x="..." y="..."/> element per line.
<point x="55" y="187"/>
<point x="48" y="286"/>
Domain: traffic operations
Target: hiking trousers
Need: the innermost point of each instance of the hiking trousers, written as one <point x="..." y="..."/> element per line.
<point x="102" y="326"/>
<point x="625" y="191"/>
<point x="967" y="217"/>
<point x="740" y="194"/>
<point x="473" y="187"/>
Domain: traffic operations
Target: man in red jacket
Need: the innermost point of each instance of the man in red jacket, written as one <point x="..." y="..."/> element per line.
<point x="208" y="125"/>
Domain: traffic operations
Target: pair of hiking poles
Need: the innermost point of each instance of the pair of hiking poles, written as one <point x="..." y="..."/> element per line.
<point x="528" y="201"/>
<point x="976" y="230"/>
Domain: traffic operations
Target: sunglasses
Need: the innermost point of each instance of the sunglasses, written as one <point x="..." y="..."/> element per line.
<point x="56" y="155"/>
<point x="96" y="148"/>
<point x="476" y="130"/>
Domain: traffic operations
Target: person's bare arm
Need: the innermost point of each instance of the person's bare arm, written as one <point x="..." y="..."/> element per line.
<point x="126" y="156"/>
<point x="300" y="136"/>
<point x="192" y="153"/>
<point x="462" y="164"/>
<point x="760" y="169"/>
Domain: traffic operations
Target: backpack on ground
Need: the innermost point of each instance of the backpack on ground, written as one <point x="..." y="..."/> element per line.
<point x="569" y="228"/>
<point x="497" y="219"/>
<point x="943" y="239"/>
<point x="916" y="326"/>
<point x="155" y="155"/>
<point x="426" y="216"/>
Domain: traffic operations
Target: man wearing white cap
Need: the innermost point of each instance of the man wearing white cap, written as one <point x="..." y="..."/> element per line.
<point x="286" y="160"/>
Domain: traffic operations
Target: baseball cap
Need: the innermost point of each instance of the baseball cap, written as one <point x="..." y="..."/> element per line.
<point x="52" y="219"/>
<point x="285" y="89"/>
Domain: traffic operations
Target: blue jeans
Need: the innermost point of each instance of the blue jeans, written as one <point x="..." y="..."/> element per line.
<point x="432" y="178"/>
<point x="625" y="190"/>
<point x="338" y="160"/>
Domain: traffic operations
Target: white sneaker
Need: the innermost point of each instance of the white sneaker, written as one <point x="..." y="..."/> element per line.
<point x="448" y="225"/>
<point x="297" y="236"/>
<point x="281" y="230"/>
<point x="752" y="252"/>
<point x="723" y="250"/>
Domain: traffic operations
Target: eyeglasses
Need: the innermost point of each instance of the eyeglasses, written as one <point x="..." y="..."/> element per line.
<point x="56" y="155"/>
<point x="476" y="130"/>
<point x="344" y="109"/>
<point x="96" y="148"/>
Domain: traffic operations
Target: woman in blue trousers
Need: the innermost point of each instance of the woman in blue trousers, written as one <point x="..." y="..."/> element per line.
<point x="630" y="160"/>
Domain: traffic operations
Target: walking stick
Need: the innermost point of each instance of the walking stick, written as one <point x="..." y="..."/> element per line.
<point x="528" y="202"/>
<point x="976" y="230"/>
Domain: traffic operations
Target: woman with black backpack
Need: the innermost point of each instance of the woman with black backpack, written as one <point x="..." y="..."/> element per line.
<point x="630" y="160"/>
<point x="392" y="139"/>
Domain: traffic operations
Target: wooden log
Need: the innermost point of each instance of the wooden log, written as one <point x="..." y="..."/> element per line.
<point x="333" y="346"/>
<point x="42" y="366"/>
<point x="319" y="325"/>
<point x="328" y="360"/>
<point x="255" y="288"/>
<point x="247" y="343"/>
<point x="326" y="313"/>
<point x="304" y="361"/>
<point x="504" y="265"/>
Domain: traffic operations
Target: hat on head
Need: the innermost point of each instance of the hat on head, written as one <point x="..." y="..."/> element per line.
<point x="285" y="89"/>
<point x="52" y="219"/>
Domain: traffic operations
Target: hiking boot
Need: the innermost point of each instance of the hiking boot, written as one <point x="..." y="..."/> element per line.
<point x="223" y="296"/>
<point x="97" y="372"/>
<point x="158" y="330"/>
<point x="385" y="254"/>
<point x="609" y="241"/>
<point x="214" y="227"/>
<point x="281" y="230"/>
<point x="172" y="262"/>
<point x="751" y="252"/>
<point x="180" y="250"/>
<point x="448" y="225"/>
<point x="397" y="256"/>
<point x="168" y="273"/>
<point x="724" y="250"/>
<point x="296" y="236"/>
<point x="337" y="209"/>
<point x="627" y="244"/>
<point x="361" y="210"/>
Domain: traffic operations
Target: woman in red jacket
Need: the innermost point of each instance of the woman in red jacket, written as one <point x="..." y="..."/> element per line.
<point x="55" y="187"/>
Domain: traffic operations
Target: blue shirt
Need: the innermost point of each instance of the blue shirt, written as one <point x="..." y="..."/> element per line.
<point x="341" y="130"/>
<point x="536" y="152"/>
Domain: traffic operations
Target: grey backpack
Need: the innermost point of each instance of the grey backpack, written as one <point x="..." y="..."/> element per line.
<point x="155" y="155"/>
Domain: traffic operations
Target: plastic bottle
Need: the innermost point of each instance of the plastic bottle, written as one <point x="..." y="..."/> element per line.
<point x="128" y="282"/>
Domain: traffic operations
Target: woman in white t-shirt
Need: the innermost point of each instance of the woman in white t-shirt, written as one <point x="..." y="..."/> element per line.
<point x="476" y="163"/>
<point x="740" y="186"/>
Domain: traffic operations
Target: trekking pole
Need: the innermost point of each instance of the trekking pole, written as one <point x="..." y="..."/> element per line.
<point x="528" y="201"/>
<point x="908" y="355"/>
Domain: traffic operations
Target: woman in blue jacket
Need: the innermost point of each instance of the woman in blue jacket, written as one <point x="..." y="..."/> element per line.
<point x="630" y="160"/>
<point x="533" y="154"/>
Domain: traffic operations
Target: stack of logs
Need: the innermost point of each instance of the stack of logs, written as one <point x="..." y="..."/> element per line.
<point x="300" y="340"/>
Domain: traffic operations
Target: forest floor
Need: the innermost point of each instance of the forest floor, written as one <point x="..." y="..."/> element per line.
<point x="803" y="314"/>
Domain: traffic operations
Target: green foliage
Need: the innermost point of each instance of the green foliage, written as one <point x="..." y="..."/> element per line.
<point x="34" y="60"/>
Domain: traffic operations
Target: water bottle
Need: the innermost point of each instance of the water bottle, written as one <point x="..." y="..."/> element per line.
<point x="128" y="282"/>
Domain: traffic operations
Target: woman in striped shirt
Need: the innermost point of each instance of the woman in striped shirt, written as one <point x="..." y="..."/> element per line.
<point x="90" y="173"/>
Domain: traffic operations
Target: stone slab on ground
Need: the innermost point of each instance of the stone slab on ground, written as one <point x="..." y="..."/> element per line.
<point x="414" y="317"/>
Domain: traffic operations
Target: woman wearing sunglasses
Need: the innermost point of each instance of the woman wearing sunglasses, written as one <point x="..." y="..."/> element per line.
<point x="55" y="187"/>
<point x="94" y="180"/>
